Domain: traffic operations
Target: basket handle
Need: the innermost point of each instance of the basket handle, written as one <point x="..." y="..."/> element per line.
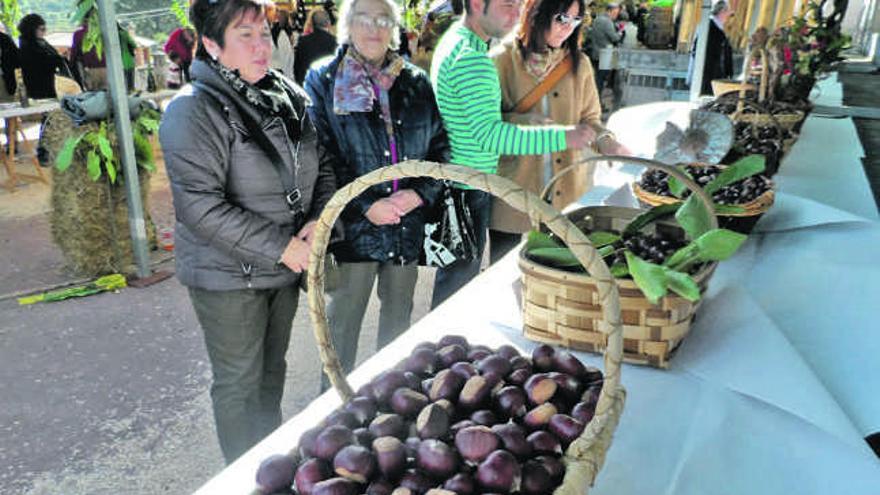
<point x="648" y="163"/>
<point x="518" y="198"/>
<point x="763" y="81"/>
<point x="760" y="108"/>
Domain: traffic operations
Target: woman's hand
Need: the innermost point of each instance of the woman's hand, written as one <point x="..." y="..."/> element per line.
<point x="307" y="232"/>
<point x="406" y="200"/>
<point x="296" y="255"/>
<point x="612" y="147"/>
<point x="384" y="212"/>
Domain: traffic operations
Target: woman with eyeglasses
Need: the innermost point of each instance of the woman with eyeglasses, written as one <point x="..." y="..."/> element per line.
<point x="546" y="49"/>
<point x="372" y="109"/>
<point x="39" y="60"/>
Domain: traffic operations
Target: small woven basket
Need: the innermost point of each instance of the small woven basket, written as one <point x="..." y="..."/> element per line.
<point x="563" y="308"/>
<point x="743" y="221"/>
<point x="584" y="456"/>
<point x="724" y="86"/>
<point x="764" y="118"/>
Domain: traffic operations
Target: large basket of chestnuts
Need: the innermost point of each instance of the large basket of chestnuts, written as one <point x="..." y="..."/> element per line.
<point x="648" y="254"/>
<point x="452" y="417"/>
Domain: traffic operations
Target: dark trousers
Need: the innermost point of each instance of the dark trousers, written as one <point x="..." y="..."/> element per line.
<point x="500" y="243"/>
<point x="246" y="334"/>
<point x="448" y="280"/>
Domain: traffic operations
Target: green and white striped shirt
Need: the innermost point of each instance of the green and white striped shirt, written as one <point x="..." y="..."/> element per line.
<point x="468" y="95"/>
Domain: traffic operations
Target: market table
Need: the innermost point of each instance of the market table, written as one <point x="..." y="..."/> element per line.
<point x="771" y="393"/>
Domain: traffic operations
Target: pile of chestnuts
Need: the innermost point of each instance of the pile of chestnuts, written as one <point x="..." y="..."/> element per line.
<point x="452" y="418"/>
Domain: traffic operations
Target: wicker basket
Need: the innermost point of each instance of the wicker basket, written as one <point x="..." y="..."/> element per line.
<point x="562" y="307"/>
<point x="741" y="222"/>
<point x="785" y="120"/>
<point x="724" y="86"/>
<point x="584" y="457"/>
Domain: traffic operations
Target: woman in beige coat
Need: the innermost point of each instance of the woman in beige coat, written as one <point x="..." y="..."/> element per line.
<point x="548" y="34"/>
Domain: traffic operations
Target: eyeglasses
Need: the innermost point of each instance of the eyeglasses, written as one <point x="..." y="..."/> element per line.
<point x="568" y="20"/>
<point x="381" y="22"/>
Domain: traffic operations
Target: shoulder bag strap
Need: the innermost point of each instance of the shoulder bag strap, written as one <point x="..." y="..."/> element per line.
<point x="531" y="99"/>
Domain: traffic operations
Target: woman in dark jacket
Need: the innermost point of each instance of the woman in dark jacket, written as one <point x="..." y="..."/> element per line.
<point x="39" y="61"/>
<point x="242" y="158"/>
<point x="373" y="109"/>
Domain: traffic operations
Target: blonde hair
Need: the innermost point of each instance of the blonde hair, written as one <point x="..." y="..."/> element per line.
<point x="346" y="17"/>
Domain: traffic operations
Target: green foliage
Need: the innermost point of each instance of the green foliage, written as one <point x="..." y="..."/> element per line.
<point x="10" y="15"/>
<point x="745" y="167"/>
<point x="180" y="13"/>
<point x="98" y="149"/>
<point x="654" y="280"/>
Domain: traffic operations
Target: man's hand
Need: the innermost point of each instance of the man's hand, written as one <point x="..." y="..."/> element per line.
<point x="580" y="137"/>
<point x="384" y="212"/>
<point x="307" y="232"/>
<point x="296" y="255"/>
<point x="406" y="200"/>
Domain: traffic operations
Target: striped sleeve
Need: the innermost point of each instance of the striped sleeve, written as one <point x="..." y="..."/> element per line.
<point x="478" y="103"/>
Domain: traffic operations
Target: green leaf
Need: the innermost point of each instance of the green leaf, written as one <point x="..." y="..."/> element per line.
<point x="744" y="167"/>
<point x="555" y="256"/>
<point x="676" y="187"/>
<point x="149" y="125"/>
<point x="601" y="238"/>
<point x="619" y="270"/>
<point x="682" y="257"/>
<point x="693" y="217"/>
<point x="94" y="165"/>
<point x="65" y="156"/>
<point x="81" y="11"/>
<point x="639" y="222"/>
<point x="650" y="278"/>
<point x="728" y="209"/>
<point x="111" y="170"/>
<point x="105" y="148"/>
<point x="718" y="244"/>
<point x="682" y="284"/>
<point x="538" y="239"/>
<point x="606" y="250"/>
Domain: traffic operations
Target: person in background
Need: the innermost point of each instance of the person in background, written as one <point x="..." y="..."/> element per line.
<point x="283" y="39"/>
<point x="604" y="33"/>
<point x="90" y="70"/>
<point x="179" y="48"/>
<point x="372" y="108"/>
<point x="317" y="44"/>
<point x="719" y="52"/>
<point x="641" y="22"/>
<point x="39" y="60"/>
<point x="242" y="236"/>
<point x="547" y="37"/>
<point x="9" y="61"/>
<point x="469" y="98"/>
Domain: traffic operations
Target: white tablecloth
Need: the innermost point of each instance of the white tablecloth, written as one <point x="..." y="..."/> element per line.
<point x="772" y="391"/>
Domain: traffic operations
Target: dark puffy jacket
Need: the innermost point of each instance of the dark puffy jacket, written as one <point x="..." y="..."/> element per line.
<point x="358" y="143"/>
<point x="233" y="222"/>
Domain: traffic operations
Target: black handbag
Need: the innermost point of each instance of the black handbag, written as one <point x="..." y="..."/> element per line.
<point x="449" y="230"/>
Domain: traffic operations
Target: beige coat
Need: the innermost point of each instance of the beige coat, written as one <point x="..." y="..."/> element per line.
<point x="573" y="100"/>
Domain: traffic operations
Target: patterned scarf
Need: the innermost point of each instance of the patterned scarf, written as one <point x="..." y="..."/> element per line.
<point x="539" y="64"/>
<point x="353" y="91"/>
<point x="270" y="94"/>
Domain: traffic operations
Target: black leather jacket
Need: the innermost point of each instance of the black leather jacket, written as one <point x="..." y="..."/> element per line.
<point x="233" y="222"/>
<point x="358" y="143"/>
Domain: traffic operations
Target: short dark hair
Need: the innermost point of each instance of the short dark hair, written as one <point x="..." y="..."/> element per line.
<point x="28" y="25"/>
<point x="467" y="6"/>
<point x="537" y="18"/>
<point x="211" y="18"/>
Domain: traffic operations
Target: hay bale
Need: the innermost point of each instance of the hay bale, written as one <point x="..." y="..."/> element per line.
<point x="89" y="220"/>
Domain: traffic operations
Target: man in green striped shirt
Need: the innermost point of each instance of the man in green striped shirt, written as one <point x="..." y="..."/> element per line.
<point x="468" y="95"/>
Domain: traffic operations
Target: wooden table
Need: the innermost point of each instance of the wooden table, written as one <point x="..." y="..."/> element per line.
<point x="13" y="113"/>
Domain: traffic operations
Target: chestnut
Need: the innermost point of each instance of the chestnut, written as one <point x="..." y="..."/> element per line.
<point x="542" y="357"/>
<point x="275" y="473"/>
<point x="513" y="439"/>
<point x="566" y="428"/>
<point x="416" y="481"/>
<point x="553" y="465"/>
<point x="363" y="436"/>
<point x="475" y="443"/>
<point x="519" y="377"/>
<point x="436" y="459"/>
<point x="407" y="402"/>
<point x="386" y="383"/>
<point x="566" y="362"/>
<point x="363" y="408"/>
<point x="380" y="487"/>
<point x="453" y="339"/>
<point x="536" y="479"/>
<point x="496" y="364"/>
<point x="540" y="388"/>
<point x="342" y="417"/>
<point x="510" y="402"/>
<point x="583" y="412"/>
<point x="355" y="462"/>
<point x="507" y="351"/>
<point x="484" y="417"/>
<point x="332" y="440"/>
<point x="422" y="361"/>
<point x="446" y="385"/>
<point x="499" y="472"/>
<point x="307" y="442"/>
<point x="390" y="457"/>
<point x="388" y="425"/>
<point x="544" y="443"/>
<point x="465" y="369"/>
<point x="475" y="393"/>
<point x="336" y="486"/>
<point x="478" y="353"/>
<point x="538" y="417"/>
<point x="432" y="422"/>
<point x="461" y="483"/>
<point x="309" y="473"/>
<point x="451" y="354"/>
